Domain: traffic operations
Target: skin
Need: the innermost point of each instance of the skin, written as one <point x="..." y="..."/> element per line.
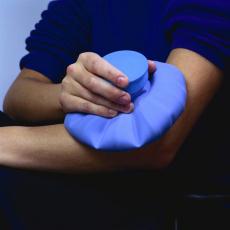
<point x="52" y="148"/>
<point x="33" y="97"/>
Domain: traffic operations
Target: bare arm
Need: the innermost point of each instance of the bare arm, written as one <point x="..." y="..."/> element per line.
<point x="203" y="80"/>
<point x="33" y="97"/>
<point x="52" y="148"/>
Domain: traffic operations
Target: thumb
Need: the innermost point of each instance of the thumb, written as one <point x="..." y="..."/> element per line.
<point x="151" y="66"/>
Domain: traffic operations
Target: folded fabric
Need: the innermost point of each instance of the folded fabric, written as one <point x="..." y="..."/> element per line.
<point x="158" y="102"/>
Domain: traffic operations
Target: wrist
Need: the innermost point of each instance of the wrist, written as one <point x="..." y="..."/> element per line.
<point x="58" y="110"/>
<point x="8" y="145"/>
<point x="16" y="144"/>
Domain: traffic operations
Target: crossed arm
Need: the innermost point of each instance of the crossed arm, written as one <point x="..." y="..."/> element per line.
<point x="52" y="148"/>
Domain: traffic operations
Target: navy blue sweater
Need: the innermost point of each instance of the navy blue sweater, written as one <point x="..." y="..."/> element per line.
<point x="70" y="27"/>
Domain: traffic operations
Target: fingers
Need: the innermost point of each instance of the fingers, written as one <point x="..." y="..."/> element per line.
<point x="80" y="105"/>
<point x="99" y="66"/>
<point x="151" y="66"/>
<point x="72" y="103"/>
<point x="87" y="87"/>
<point x="98" y="85"/>
<point x="76" y="89"/>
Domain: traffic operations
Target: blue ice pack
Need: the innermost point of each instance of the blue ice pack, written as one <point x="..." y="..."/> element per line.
<point x="158" y="100"/>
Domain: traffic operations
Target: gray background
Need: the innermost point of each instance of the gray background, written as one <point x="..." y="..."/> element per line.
<point x="17" y="19"/>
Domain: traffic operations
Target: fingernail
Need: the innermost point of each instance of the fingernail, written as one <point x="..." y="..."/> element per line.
<point x="112" y="112"/>
<point x="120" y="80"/>
<point x="131" y="107"/>
<point x="124" y="99"/>
<point x="127" y="109"/>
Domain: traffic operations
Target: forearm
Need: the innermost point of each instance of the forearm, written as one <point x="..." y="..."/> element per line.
<point x="52" y="148"/>
<point x="30" y="99"/>
<point x="203" y="80"/>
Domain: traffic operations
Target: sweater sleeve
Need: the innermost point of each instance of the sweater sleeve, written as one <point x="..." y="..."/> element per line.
<point x="201" y="26"/>
<point x="58" y="38"/>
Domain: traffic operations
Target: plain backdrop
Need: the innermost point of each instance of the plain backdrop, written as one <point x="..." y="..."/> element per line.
<point x="17" y="19"/>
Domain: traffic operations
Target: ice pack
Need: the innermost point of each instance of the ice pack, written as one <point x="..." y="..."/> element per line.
<point x="159" y="99"/>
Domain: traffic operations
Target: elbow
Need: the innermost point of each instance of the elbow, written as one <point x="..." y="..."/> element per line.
<point x="7" y="105"/>
<point x="10" y="106"/>
<point x="162" y="158"/>
<point x="153" y="157"/>
<point x="161" y="162"/>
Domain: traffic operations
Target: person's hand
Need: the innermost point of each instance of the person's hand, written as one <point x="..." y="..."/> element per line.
<point x="86" y="87"/>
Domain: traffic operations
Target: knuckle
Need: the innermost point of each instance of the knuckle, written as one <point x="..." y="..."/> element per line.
<point x="103" y="112"/>
<point x="65" y="80"/>
<point x="100" y="110"/>
<point x="85" y="107"/>
<point x="86" y="55"/>
<point x="94" y="65"/>
<point x="95" y="99"/>
<point x="82" y="56"/>
<point x="65" y="83"/>
<point x="92" y="98"/>
<point x="112" y="105"/>
<point x="114" y="93"/>
<point x="80" y="72"/>
<point x="90" y="82"/>
<point x="70" y="69"/>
